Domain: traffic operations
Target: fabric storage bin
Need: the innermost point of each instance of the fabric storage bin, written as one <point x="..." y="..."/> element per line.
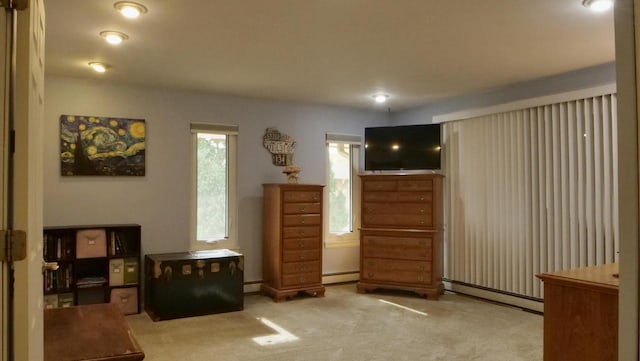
<point x="116" y="272"/>
<point x="126" y="299"/>
<point x="131" y="269"/>
<point x="50" y="301"/>
<point x="91" y="243"/>
<point x="65" y="300"/>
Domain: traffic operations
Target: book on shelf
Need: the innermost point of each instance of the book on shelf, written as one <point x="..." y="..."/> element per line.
<point x="117" y="246"/>
<point x="60" y="279"/>
<point x="56" y="247"/>
<point x="87" y="282"/>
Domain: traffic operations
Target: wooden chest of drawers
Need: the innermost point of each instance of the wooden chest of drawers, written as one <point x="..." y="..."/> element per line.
<point x="401" y="234"/>
<point x="292" y="240"/>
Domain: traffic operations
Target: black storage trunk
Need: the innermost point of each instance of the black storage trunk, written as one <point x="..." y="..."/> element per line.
<point x="193" y="283"/>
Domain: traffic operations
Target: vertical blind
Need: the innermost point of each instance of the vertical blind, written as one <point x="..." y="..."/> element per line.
<point x="531" y="191"/>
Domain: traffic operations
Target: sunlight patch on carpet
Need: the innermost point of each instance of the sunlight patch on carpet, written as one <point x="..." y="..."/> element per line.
<point x="403" y="307"/>
<point x="281" y="335"/>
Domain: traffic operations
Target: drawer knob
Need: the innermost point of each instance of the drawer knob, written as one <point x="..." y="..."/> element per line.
<point x="370" y="274"/>
<point x="422" y="221"/>
<point x="422" y="210"/>
<point x="302" y="221"/>
<point x="302" y="233"/>
<point x="301" y="244"/>
<point x="302" y="209"/>
<point x="422" y="198"/>
<point x="301" y="256"/>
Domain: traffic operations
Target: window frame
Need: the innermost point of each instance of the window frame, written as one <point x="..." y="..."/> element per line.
<point x="352" y="238"/>
<point x="231" y="134"/>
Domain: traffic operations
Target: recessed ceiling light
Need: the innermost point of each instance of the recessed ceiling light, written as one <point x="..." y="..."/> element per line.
<point x="598" y="5"/>
<point x="130" y="9"/>
<point x="380" y="98"/>
<point x="114" y="37"/>
<point x="98" y="66"/>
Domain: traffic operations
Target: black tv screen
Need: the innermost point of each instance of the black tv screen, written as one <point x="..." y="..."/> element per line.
<point x="410" y="147"/>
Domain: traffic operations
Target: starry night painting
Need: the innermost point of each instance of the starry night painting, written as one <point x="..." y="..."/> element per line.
<point x="101" y="146"/>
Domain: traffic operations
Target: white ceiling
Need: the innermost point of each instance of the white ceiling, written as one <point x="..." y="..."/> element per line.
<point x="336" y="52"/>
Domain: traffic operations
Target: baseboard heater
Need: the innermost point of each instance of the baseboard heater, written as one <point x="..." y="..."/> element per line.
<point x="511" y="299"/>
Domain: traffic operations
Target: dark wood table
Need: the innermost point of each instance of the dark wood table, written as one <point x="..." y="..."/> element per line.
<point x="89" y="332"/>
<point x="581" y="314"/>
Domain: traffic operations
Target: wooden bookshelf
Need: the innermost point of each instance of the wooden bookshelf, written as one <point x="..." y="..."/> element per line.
<point x="96" y="264"/>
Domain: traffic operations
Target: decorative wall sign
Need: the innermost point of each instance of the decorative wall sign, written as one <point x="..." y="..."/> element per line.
<point x="281" y="147"/>
<point x="102" y="146"/>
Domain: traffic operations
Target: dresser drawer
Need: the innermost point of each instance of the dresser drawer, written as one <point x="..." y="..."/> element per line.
<point x="396" y="271"/>
<point x="417" y="197"/>
<point x="302" y="231"/>
<point x="296" y="256"/>
<point x="380" y="185"/>
<point x="301" y="208"/>
<point x="415" y="185"/>
<point x="425" y="209"/>
<point x="302" y="196"/>
<point x="418" y="221"/>
<point x="300" y="267"/>
<point x="397" y="247"/>
<point x="296" y="244"/>
<point x="301" y="279"/>
<point x="301" y="220"/>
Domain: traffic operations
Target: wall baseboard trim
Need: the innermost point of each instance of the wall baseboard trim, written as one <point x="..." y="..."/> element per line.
<point x="340" y="277"/>
<point x="252" y="287"/>
<point x="524" y="303"/>
<point x="331" y="278"/>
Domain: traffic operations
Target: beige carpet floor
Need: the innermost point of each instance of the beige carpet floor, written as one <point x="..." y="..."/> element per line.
<point x="348" y="326"/>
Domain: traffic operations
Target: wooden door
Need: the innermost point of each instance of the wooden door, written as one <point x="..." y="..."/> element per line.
<point x="28" y="110"/>
<point x="5" y="50"/>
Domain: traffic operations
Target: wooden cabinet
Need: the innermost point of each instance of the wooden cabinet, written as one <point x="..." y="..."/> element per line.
<point x="581" y="314"/>
<point x="96" y="264"/>
<point x="292" y="240"/>
<point x="401" y="234"/>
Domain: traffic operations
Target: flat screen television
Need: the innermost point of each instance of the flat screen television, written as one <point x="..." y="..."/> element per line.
<point x="409" y="147"/>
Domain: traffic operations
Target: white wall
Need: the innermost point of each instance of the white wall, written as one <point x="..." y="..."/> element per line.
<point x="580" y="79"/>
<point x="159" y="201"/>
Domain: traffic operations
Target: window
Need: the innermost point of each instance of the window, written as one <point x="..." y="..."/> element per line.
<point x="214" y="186"/>
<point x="343" y="190"/>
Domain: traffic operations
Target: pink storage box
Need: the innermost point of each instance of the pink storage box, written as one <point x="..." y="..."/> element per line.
<point x="126" y="298"/>
<point x="91" y="243"/>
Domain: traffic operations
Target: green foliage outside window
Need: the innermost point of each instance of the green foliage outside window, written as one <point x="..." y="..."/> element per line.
<point x="212" y="186"/>
<point x="339" y="188"/>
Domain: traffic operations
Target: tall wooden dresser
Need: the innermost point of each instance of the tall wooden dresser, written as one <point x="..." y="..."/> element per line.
<point x="401" y="233"/>
<point x="292" y="240"/>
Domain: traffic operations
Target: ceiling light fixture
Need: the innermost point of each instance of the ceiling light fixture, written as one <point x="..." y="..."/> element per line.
<point x="598" y="5"/>
<point x="130" y="9"/>
<point x="114" y="37"/>
<point x="380" y="98"/>
<point x="98" y="66"/>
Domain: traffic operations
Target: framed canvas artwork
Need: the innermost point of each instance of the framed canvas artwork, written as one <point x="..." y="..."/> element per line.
<point x="106" y="146"/>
